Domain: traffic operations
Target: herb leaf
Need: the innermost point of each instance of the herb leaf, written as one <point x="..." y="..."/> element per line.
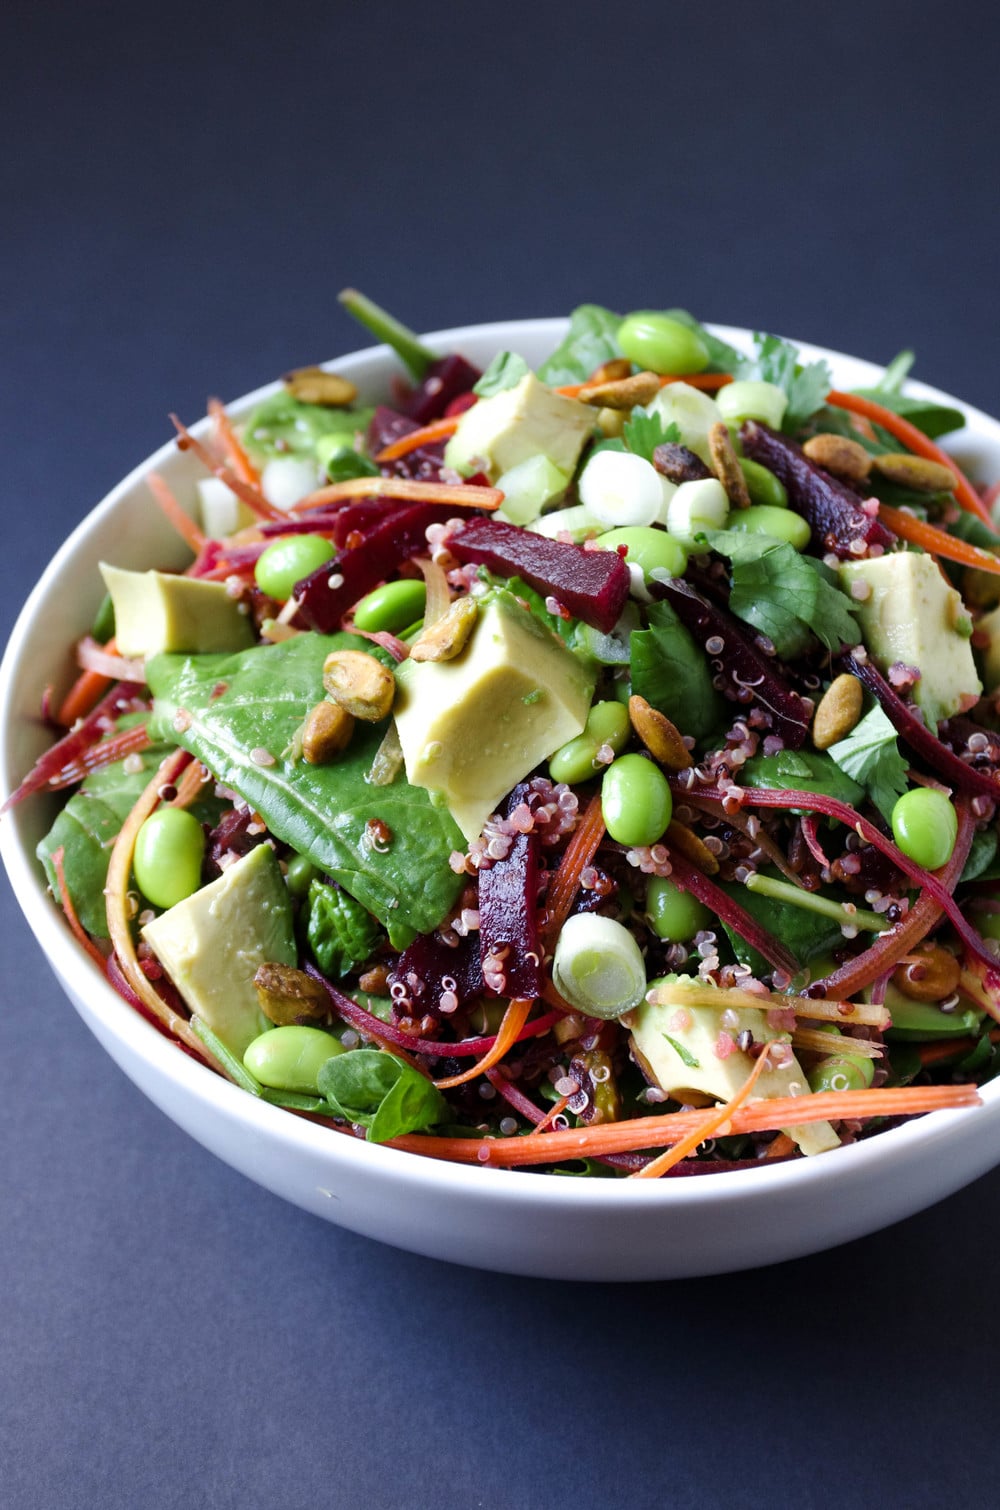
<point x="684" y="1054"/>
<point x="784" y="595"/>
<point x="777" y="362"/>
<point x="592" y="339"/>
<point x="644" y="432"/>
<point x="870" y="756"/>
<point x="322" y="811"/>
<point x="671" y="672"/>
<point x="376" y="1090"/>
<point x="505" y="371"/>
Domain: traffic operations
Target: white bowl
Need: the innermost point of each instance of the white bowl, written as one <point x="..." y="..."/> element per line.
<point x="517" y="1222"/>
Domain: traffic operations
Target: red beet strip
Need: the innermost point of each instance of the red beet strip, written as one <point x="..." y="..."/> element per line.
<point x="68" y="750"/>
<point x="728" y="911"/>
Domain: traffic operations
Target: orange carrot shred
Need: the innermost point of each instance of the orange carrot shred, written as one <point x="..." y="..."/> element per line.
<point x="709" y="382"/>
<point x="552" y="1113"/>
<point x="462" y="495"/>
<point x="578" y="854"/>
<point x="251" y="496"/>
<point x="514" y="1019"/>
<point x="84" y="695"/>
<point x="711" y="1123"/>
<point x="937" y="542"/>
<point x="780" y="1147"/>
<point x="179" y="518"/>
<point x="66" y="902"/>
<point x="914" y="440"/>
<point x="231" y="444"/>
<point x="427" y="435"/>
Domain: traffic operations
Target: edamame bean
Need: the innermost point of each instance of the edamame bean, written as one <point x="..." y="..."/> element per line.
<point x="762" y="485"/>
<point x="300" y="874"/>
<point x="762" y="519"/>
<point x="635" y="801"/>
<point x="393" y="606"/>
<point x="841" y="1073"/>
<point x="576" y="761"/>
<point x="287" y="560"/>
<point x="649" y="548"/>
<point x="169" y="850"/>
<point x="673" y="914"/>
<point x="657" y="343"/>
<point x="925" y="826"/>
<point x="290" y="1058"/>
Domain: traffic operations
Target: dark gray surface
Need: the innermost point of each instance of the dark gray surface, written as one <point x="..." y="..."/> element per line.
<point x="185" y="190"/>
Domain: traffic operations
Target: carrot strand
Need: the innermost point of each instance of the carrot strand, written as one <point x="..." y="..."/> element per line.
<point x="710" y="1124"/>
<point x="84" y="695"/>
<point x="251" y="496"/>
<point x="514" y="1020"/>
<point x="427" y="435"/>
<point x="462" y="495"/>
<point x="231" y="444"/>
<point x="179" y="518"/>
<point x="578" y="854"/>
<point x="66" y="902"/>
<point x="937" y="542"/>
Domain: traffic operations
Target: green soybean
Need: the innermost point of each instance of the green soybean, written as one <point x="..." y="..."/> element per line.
<point x="635" y="801"/>
<point x="657" y="343"/>
<point x="841" y="1073"/>
<point x="762" y="485"/>
<point x="576" y="761"/>
<point x="393" y="606"/>
<point x="783" y="524"/>
<point x="925" y="826"/>
<point x="287" y="560"/>
<point x="648" y="547"/>
<point x="169" y="850"/>
<point x="674" y="915"/>
<point x="290" y="1058"/>
<point x="300" y="874"/>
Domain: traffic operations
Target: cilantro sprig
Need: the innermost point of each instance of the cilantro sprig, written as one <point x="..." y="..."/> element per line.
<point x="783" y="595"/>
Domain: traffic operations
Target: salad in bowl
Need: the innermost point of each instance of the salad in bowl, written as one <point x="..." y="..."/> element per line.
<point x="579" y="766"/>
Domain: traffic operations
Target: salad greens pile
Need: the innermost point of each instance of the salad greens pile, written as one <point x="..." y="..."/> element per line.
<point x="591" y="769"/>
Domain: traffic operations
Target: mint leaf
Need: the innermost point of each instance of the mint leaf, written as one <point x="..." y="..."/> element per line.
<point x="684" y="1055"/>
<point x="784" y="595"/>
<point x="870" y="755"/>
<point x="373" y="1088"/>
<point x="592" y="340"/>
<point x="644" y="432"/>
<point x="505" y="371"/>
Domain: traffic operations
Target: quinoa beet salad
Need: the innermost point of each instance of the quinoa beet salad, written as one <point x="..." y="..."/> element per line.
<point x="590" y="770"/>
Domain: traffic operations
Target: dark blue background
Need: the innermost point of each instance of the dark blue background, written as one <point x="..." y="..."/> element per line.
<point x="184" y="190"/>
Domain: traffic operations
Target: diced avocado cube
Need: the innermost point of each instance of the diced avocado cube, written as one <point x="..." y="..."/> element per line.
<point x="155" y="611"/>
<point x="212" y="943"/>
<point x="472" y="727"/>
<point x="989" y="627"/>
<point x="520" y="422"/>
<point x="677" y="1044"/>
<point x="910" y="615"/>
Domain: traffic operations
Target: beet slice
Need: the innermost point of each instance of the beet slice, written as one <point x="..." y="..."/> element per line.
<point x="429" y="968"/>
<point x="508" y="911"/>
<point x="833" y="511"/>
<point x="593" y="585"/>
<point x="327" y="593"/>
<point x="446" y="379"/>
<point x="422" y="465"/>
<point x="743" y="669"/>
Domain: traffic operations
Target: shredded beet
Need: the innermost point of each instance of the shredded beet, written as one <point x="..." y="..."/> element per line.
<point x="592" y="585"/>
<point x="742" y="672"/>
<point x="446" y="379"/>
<point x="423" y="464"/>
<point x="69" y="750"/>
<point x="430" y="970"/>
<point x="833" y="510"/>
<point x="232" y="836"/>
<point x="509" y="944"/>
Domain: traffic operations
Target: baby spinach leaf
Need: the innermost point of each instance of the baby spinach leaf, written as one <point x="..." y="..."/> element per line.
<point x="671" y="672"/>
<point x="932" y="418"/>
<point x="870" y="755"/>
<point x="644" y="432"/>
<point x="981" y="856"/>
<point x="505" y="371"/>
<point x="592" y="340"/>
<point x="340" y="933"/>
<point x="373" y="1088"/>
<point x="805" y="933"/>
<point x="284" y="426"/>
<point x="253" y="704"/>
<point x="803" y="771"/>
<point x="784" y="595"/>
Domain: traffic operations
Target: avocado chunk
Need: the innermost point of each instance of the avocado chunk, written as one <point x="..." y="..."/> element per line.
<point x="520" y="422"/>
<point x="471" y="728"/>
<point x="911" y="615"/>
<point x="212" y="943"/>
<point x="677" y="1043"/>
<point x="155" y="611"/>
<point x="989" y="626"/>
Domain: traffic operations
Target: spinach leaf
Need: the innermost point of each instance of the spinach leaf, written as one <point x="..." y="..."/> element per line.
<point x="283" y="426"/>
<point x="982" y="856"/>
<point x="592" y="340"/>
<point x="870" y="755"/>
<point x="373" y="1088"/>
<point x="505" y="371"/>
<point x="340" y="933"/>
<point x="803" y="771"/>
<point x="671" y="672"/>
<point x="805" y="933"/>
<point x="784" y="595"/>
<point x="322" y="811"/>
<point x="932" y="418"/>
<point x="644" y="432"/>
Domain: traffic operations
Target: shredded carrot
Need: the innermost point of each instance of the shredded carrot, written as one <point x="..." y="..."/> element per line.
<point x="780" y="1147"/>
<point x="937" y="542"/>
<point x="66" y="901"/>
<point x="708" y="382"/>
<point x="231" y="444"/>
<point x="514" y="1019"/>
<point x="765" y="1115"/>
<point x="815" y="1041"/>
<point x="427" y="435"/>
<point x="702" y="994"/>
<point x="191" y="785"/>
<point x="84" y="695"/>
<point x="710" y="1124"/>
<point x="251" y="496"/>
<point x="578" y="854"/>
<point x="914" y="440"/>
<point x="179" y="518"/>
<point x="462" y="495"/>
<point x="552" y="1113"/>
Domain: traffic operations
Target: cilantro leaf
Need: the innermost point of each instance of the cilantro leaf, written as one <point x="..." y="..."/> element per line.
<point x="783" y="595"/>
<point x="505" y="371"/>
<point x="684" y="1054"/>
<point x="870" y="755"/>
<point x="592" y="339"/>
<point x="644" y="432"/>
